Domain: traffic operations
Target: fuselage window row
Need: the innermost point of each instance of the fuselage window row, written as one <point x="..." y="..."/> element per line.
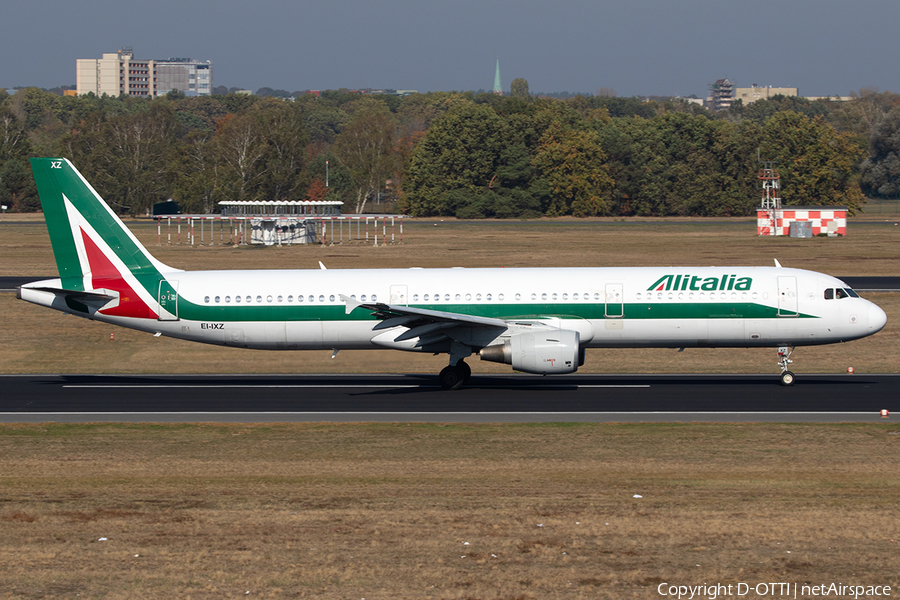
<point x="830" y="294"/>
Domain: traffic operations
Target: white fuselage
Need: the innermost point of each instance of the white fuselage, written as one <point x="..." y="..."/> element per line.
<point x="609" y="307"/>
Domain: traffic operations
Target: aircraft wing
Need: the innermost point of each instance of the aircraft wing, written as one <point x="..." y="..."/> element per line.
<point x="425" y="324"/>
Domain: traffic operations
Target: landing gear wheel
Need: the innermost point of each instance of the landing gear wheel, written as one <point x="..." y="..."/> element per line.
<point x="784" y="359"/>
<point x="452" y="378"/>
<point x="465" y="368"/>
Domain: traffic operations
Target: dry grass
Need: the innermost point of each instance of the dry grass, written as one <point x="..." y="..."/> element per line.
<point x="462" y="511"/>
<point x="43" y="341"/>
<point x="871" y="248"/>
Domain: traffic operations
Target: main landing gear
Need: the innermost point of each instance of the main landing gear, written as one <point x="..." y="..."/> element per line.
<point x="453" y="376"/>
<point x="784" y="359"/>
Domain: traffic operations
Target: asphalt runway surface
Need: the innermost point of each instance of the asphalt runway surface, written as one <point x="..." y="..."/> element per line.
<point x="419" y="398"/>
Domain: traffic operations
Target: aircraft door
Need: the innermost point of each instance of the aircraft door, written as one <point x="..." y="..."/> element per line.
<point x="614" y="306"/>
<point x="787" y="296"/>
<point x="168" y="300"/>
<point x="398" y="295"/>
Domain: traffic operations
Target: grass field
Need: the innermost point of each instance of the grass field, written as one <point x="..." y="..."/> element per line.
<point x="433" y="511"/>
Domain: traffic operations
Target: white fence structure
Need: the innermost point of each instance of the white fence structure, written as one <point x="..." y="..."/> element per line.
<point x="276" y="231"/>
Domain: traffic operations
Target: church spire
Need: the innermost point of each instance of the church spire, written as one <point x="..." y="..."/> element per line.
<point x="498" y="88"/>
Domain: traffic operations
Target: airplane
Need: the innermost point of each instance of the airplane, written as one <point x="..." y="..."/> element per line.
<point x="538" y="320"/>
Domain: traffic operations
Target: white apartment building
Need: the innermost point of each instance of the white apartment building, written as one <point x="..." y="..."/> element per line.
<point x="120" y="73"/>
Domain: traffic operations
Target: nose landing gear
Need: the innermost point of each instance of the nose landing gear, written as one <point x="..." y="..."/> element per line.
<point x="784" y="359"/>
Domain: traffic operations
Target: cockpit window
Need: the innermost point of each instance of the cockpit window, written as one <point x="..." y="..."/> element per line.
<point x="841" y="293"/>
<point x="852" y="293"/>
<point x="829" y="294"/>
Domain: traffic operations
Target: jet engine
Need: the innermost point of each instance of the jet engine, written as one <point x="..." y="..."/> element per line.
<point x="550" y="352"/>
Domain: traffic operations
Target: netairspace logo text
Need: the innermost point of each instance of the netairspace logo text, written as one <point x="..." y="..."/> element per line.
<point x="772" y="590"/>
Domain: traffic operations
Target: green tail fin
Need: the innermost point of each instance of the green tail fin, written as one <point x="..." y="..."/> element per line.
<point x="84" y="230"/>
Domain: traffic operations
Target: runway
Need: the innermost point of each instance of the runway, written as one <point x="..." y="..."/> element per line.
<point x="419" y="398"/>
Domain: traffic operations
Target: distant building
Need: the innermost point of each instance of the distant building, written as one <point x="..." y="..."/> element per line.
<point x="119" y="73"/>
<point x="498" y="87"/>
<point x="721" y="95"/>
<point x="752" y="94"/>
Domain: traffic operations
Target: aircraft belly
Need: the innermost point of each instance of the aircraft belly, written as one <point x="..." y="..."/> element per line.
<point x="347" y="334"/>
<point x="304" y="335"/>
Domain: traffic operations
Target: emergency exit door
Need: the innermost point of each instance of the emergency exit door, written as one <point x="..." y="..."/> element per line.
<point x="787" y="296"/>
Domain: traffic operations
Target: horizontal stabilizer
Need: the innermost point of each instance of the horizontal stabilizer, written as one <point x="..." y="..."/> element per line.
<point x="76" y="294"/>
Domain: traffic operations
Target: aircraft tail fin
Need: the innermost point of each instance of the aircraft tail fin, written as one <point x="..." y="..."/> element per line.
<point x="92" y="247"/>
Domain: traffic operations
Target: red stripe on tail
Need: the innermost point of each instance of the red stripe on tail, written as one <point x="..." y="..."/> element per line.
<point x="105" y="275"/>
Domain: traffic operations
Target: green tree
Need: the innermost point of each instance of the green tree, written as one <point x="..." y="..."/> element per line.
<point x="241" y="147"/>
<point x="881" y="170"/>
<point x="366" y="148"/>
<point x="127" y="157"/>
<point x="519" y="88"/>
<point x="818" y="165"/>
<point x="573" y="164"/>
<point x="460" y="152"/>
<point x="284" y="132"/>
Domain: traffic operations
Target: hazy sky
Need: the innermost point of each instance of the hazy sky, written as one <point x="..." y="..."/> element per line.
<point x="636" y="47"/>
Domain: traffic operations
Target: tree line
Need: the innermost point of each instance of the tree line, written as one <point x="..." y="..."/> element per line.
<point x="457" y="154"/>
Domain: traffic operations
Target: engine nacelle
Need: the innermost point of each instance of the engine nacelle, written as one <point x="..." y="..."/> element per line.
<point x="553" y="351"/>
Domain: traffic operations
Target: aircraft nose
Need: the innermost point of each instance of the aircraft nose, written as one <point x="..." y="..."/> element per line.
<point x="877" y="318"/>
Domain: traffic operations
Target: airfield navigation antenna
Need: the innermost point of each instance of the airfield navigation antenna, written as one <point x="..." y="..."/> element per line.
<point x="771" y="197"/>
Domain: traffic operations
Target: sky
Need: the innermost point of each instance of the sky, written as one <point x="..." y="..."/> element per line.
<point x="634" y="47"/>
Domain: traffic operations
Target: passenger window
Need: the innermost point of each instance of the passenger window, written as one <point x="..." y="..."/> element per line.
<point x="280" y="299"/>
<point x="217" y="299"/>
<point x="237" y="299"/>
<point x="206" y="299"/>
<point x="829" y="294"/>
